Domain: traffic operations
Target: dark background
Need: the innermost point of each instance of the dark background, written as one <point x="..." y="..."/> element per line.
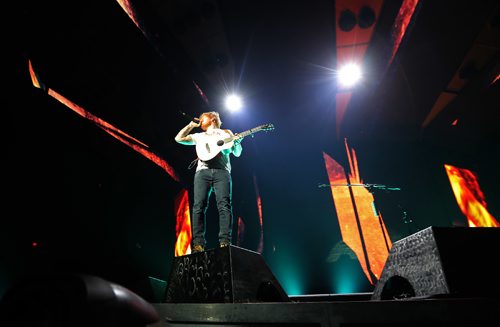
<point x="94" y="205"/>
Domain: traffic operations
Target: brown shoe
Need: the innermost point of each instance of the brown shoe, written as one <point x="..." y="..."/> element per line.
<point x="198" y="248"/>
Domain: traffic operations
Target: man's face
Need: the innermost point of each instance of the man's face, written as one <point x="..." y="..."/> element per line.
<point x="205" y="122"/>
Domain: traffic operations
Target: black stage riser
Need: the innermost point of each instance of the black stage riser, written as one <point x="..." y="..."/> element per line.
<point x="449" y="261"/>
<point x="222" y="275"/>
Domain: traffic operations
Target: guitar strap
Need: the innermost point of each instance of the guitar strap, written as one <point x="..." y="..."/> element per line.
<point x="193" y="163"/>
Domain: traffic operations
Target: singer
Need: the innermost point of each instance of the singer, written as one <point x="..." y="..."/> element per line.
<point x="213" y="175"/>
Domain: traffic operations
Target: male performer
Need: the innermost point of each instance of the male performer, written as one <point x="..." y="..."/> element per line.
<point x="213" y="173"/>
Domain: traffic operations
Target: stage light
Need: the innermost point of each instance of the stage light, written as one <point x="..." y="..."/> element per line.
<point x="233" y="102"/>
<point x="349" y="75"/>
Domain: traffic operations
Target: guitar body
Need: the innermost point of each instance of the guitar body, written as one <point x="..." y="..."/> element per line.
<point x="207" y="147"/>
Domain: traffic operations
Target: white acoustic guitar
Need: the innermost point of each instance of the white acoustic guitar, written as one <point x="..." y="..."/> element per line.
<point x="211" y="146"/>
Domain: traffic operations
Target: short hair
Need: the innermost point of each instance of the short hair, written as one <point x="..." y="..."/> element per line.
<point x="214" y="116"/>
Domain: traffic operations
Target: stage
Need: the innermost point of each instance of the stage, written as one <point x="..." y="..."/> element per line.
<point x="330" y="311"/>
<point x="438" y="277"/>
<point x="435" y="277"/>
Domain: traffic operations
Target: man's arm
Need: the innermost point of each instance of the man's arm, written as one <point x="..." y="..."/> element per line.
<point x="183" y="136"/>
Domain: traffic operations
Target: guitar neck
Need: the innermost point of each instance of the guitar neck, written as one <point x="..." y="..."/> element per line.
<point x="246" y="133"/>
<point x="242" y="134"/>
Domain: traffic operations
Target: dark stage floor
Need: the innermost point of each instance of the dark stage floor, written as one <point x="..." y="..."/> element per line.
<point x="415" y="312"/>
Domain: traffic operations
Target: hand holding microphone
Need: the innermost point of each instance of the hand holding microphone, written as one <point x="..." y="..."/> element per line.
<point x="194" y="122"/>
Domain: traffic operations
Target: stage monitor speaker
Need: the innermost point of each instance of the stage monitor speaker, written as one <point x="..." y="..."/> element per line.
<point x="442" y="261"/>
<point x="222" y="275"/>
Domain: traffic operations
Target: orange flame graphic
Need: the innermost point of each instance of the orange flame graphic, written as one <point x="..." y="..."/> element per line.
<point x="469" y="197"/>
<point x="135" y="144"/>
<point x="183" y="224"/>
<point x="130" y="11"/>
<point x="260" y="248"/>
<point x="362" y="228"/>
<point x="401" y="23"/>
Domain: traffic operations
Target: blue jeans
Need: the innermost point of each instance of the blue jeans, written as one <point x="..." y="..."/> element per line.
<point x="206" y="181"/>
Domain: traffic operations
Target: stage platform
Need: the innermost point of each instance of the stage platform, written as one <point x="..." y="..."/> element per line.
<point x="438" y="277"/>
<point x="335" y="311"/>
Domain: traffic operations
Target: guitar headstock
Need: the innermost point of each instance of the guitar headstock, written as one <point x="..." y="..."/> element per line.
<point x="265" y="127"/>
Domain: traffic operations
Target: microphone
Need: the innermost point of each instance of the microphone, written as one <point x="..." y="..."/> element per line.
<point x="195" y="119"/>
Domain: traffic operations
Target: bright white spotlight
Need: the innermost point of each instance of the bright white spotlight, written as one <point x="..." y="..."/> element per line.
<point x="349" y="74"/>
<point x="233" y="102"/>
